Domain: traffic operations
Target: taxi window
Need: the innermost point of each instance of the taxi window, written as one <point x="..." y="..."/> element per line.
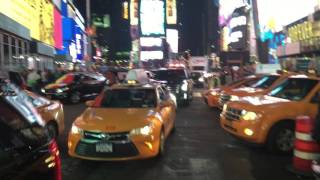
<point x="129" y="98"/>
<point x="265" y="82"/>
<point x="294" y="89"/>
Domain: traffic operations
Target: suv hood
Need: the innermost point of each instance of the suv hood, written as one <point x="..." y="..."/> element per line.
<point x="55" y="86"/>
<point x="262" y="100"/>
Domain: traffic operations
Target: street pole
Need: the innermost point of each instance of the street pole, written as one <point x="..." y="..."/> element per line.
<point x="88" y="15"/>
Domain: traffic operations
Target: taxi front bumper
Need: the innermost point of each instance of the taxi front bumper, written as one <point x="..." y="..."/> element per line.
<point x="246" y="130"/>
<point x="139" y="147"/>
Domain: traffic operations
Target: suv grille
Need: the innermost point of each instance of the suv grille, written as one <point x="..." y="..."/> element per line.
<point x="232" y="114"/>
<point x="224" y="99"/>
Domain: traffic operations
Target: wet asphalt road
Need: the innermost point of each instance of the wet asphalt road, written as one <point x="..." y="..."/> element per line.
<point x="199" y="149"/>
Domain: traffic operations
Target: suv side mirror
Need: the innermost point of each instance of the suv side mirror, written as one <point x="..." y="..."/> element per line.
<point x="90" y="103"/>
<point x="164" y="104"/>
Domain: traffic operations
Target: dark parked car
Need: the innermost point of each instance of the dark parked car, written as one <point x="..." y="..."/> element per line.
<point x="26" y="150"/>
<point x="178" y="81"/>
<point x="75" y="87"/>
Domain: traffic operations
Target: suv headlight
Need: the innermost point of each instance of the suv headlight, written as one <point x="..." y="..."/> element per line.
<point x="249" y="115"/>
<point x="184" y="86"/>
<point x="234" y="98"/>
<point x="214" y="93"/>
<point x="145" y="131"/>
<point x="76" y="130"/>
<point x="61" y="90"/>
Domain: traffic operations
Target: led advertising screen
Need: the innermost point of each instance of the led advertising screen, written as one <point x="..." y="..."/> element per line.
<point x="151" y="55"/>
<point x="274" y="14"/>
<point x="171" y="11"/>
<point x="173" y="39"/>
<point x="152" y="17"/>
<point x="226" y="9"/>
<point x="57" y="29"/>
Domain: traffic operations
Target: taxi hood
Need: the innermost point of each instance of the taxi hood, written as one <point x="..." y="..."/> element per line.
<point x="114" y="119"/>
<point x="258" y="103"/>
<point x="245" y="91"/>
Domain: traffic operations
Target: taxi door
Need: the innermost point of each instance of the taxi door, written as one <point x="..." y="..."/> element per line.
<point x="168" y="111"/>
<point x="164" y="111"/>
<point x="314" y="103"/>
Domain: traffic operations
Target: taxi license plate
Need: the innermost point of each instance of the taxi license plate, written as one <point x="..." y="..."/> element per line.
<point x="104" y="148"/>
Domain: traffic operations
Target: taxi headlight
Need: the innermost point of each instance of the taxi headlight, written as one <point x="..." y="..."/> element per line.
<point x="76" y="130"/>
<point x="43" y="90"/>
<point x="249" y="115"/>
<point x="201" y="79"/>
<point x="224" y="109"/>
<point x="234" y="98"/>
<point x="214" y="93"/>
<point x="184" y="86"/>
<point x="145" y="131"/>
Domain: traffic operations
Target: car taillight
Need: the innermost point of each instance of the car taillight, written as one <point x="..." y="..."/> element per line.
<point x="54" y="151"/>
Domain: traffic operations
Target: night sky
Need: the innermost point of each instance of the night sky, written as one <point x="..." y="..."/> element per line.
<point x="191" y="17"/>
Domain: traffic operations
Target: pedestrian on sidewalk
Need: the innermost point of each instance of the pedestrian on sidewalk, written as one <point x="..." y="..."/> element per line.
<point x="33" y="79"/>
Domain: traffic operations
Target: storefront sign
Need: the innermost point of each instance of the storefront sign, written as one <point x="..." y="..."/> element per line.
<point x="301" y="31"/>
<point x="134" y="12"/>
<point x="171" y="11"/>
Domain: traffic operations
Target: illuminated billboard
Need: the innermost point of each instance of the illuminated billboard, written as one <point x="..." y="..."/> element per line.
<point x="152" y="17"/>
<point x="134" y="12"/>
<point x="226" y="9"/>
<point x="173" y="39"/>
<point x="57" y="29"/>
<point x="150" y="42"/>
<point x="171" y="11"/>
<point x="274" y="14"/>
<point x="150" y="55"/>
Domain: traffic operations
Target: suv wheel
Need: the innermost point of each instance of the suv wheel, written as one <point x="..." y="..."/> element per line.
<point x="281" y="138"/>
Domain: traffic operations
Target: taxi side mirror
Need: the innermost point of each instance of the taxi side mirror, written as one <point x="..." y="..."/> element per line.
<point x="164" y="104"/>
<point x="90" y="103"/>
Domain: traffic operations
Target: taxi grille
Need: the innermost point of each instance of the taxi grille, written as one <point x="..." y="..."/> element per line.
<point x="224" y="99"/>
<point x="121" y="137"/>
<point x="232" y="114"/>
<point x="121" y="145"/>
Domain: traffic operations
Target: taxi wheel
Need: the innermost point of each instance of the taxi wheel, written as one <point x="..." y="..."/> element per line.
<point x="281" y="138"/>
<point x="75" y="97"/>
<point x="52" y="130"/>
<point x="161" y="144"/>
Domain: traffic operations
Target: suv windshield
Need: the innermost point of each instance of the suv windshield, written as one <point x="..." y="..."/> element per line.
<point x="129" y="98"/>
<point x="265" y="82"/>
<point x="170" y="74"/>
<point x="294" y="89"/>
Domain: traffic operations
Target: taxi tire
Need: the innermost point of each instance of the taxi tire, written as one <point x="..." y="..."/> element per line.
<point x="52" y="130"/>
<point x="74" y="97"/>
<point x="162" y="143"/>
<point x="275" y="131"/>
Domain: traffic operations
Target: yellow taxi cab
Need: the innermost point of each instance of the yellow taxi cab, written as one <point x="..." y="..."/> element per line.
<point x="263" y="86"/>
<point x="211" y="96"/>
<point x="51" y="112"/>
<point x="269" y="119"/>
<point x="125" y="122"/>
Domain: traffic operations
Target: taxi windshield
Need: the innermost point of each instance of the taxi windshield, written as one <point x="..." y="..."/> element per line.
<point x="294" y="89"/>
<point x="265" y="82"/>
<point x="65" y="79"/>
<point x="129" y="98"/>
